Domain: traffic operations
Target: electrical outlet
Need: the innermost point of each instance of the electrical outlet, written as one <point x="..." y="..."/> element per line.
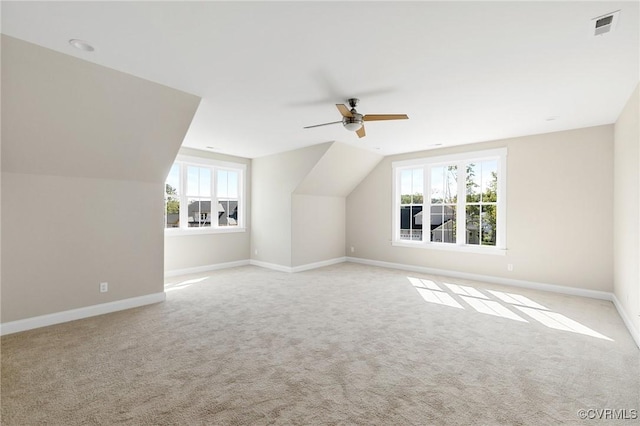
<point x="353" y="249"/>
<point x="104" y="287"/>
<point x="255" y="252"/>
<point x="510" y="267"/>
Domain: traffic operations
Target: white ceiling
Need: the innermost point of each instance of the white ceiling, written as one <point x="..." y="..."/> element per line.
<point x="464" y="72"/>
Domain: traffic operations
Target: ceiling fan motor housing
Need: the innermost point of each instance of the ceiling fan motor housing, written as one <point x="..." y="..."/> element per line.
<point x="354" y="122"/>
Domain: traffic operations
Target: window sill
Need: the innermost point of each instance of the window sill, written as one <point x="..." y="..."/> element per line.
<point x="179" y="232"/>
<point x="452" y="247"/>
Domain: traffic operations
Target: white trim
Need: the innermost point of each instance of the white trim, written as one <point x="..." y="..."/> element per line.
<point x="205" y="268"/>
<point x="300" y="268"/>
<point x="194" y="161"/>
<point x="427" y="163"/>
<point x="80" y="313"/>
<point x="321" y="264"/>
<point x="184" y="162"/>
<point x="180" y="232"/>
<point x="627" y="321"/>
<point x="273" y="266"/>
<point x="574" y="291"/>
<point x="464" y="248"/>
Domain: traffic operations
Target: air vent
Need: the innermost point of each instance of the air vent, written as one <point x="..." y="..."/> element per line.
<point x="604" y="24"/>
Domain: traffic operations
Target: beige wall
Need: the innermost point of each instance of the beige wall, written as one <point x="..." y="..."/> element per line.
<point x="318" y="228"/>
<point x="183" y="252"/>
<point x="298" y="202"/>
<point x="559" y="213"/>
<point x="62" y="236"/>
<point x="85" y="151"/>
<point x="627" y="210"/>
<point x="318" y="204"/>
<point x="274" y="179"/>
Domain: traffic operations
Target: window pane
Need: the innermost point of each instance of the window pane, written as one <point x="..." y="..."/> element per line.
<point x="192" y="180"/>
<point x="172" y="198"/>
<point x="405" y="223"/>
<point x="444" y="185"/>
<point x="411" y="223"/>
<point x="223" y="183"/>
<point x="488" y="230"/>
<point x="473" y="224"/>
<point x="416" y="223"/>
<point x="405" y="186"/>
<point x="411" y="186"/>
<point x="451" y="184"/>
<point x="227" y="183"/>
<point x="489" y="181"/>
<point x="443" y="224"/>
<point x="173" y="180"/>
<point x="417" y="186"/>
<point x="473" y="183"/>
<point x="172" y="212"/>
<point x="228" y="213"/>
<point x="199" y="213"/>
<point x="198" y="181"/>
<point x="437" y="185"/>
<point x="205" y="182"/>
<point x="232" y="184"/>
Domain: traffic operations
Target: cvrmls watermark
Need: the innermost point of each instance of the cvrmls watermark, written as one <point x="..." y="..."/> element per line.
<point x="607" y="414"/>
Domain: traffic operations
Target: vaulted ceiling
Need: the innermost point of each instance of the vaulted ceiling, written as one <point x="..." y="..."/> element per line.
<point x="464" y="72"/>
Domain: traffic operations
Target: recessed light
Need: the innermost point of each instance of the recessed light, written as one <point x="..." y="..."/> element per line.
<point x="82" y="45"/>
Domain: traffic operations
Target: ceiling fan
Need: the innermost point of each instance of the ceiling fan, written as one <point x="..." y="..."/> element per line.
<point x="353" y="121"/>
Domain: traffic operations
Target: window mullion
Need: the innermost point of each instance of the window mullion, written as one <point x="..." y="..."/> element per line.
<point x="426" y="204"/>
<point x="184" y="203"/>
<point x="214" y="197"/>
<point x="397" y="205"/>
<point x="461" y="227"/>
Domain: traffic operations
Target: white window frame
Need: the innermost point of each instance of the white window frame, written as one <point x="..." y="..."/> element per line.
<point x="214" y="165"/>
<point x="499" y="154"/>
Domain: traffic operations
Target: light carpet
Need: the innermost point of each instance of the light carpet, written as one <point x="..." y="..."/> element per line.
<point x="341" y="345"/>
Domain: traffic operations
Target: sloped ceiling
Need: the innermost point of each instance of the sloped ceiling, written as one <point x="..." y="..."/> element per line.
<point x="65" y="116"/>
<point x="338" y="171"/>
<point x="464" y="72"/>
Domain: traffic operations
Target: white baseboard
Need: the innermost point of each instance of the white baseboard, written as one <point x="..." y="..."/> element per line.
<point x="593" y="294"/>
<point x="80" y="313"/>
<point x="206" y="268"/>
<point x="273" y="266"/>
<point x="321" y="264"/>
<point x="627" y="320"/>
<point x="293" y="269"/>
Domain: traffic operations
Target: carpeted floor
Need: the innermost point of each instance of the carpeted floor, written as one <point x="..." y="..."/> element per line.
<point x="346" y="344"/>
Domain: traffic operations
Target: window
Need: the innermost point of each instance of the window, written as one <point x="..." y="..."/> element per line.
<point x="201" y="193"/>
<point x="462" y="208"/>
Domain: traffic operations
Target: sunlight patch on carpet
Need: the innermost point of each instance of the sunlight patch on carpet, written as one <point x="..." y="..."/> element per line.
<point x="500" y="304"/>
<point x="491" y="307"/>
<point x="517" y="299"/>
<point x="560" y="322"/>
<point x="183" y="284"/>
<point x="438" y="297"/>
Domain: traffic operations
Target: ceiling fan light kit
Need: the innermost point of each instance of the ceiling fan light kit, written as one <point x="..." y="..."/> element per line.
<point x="353" y="121"/>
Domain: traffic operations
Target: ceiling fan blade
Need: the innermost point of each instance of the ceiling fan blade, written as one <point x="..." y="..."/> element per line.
<point x="379" y="117"/>
<point x="324" y="124"/>
<point x="360" y="132"/>
<point x="344" y="110"/>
